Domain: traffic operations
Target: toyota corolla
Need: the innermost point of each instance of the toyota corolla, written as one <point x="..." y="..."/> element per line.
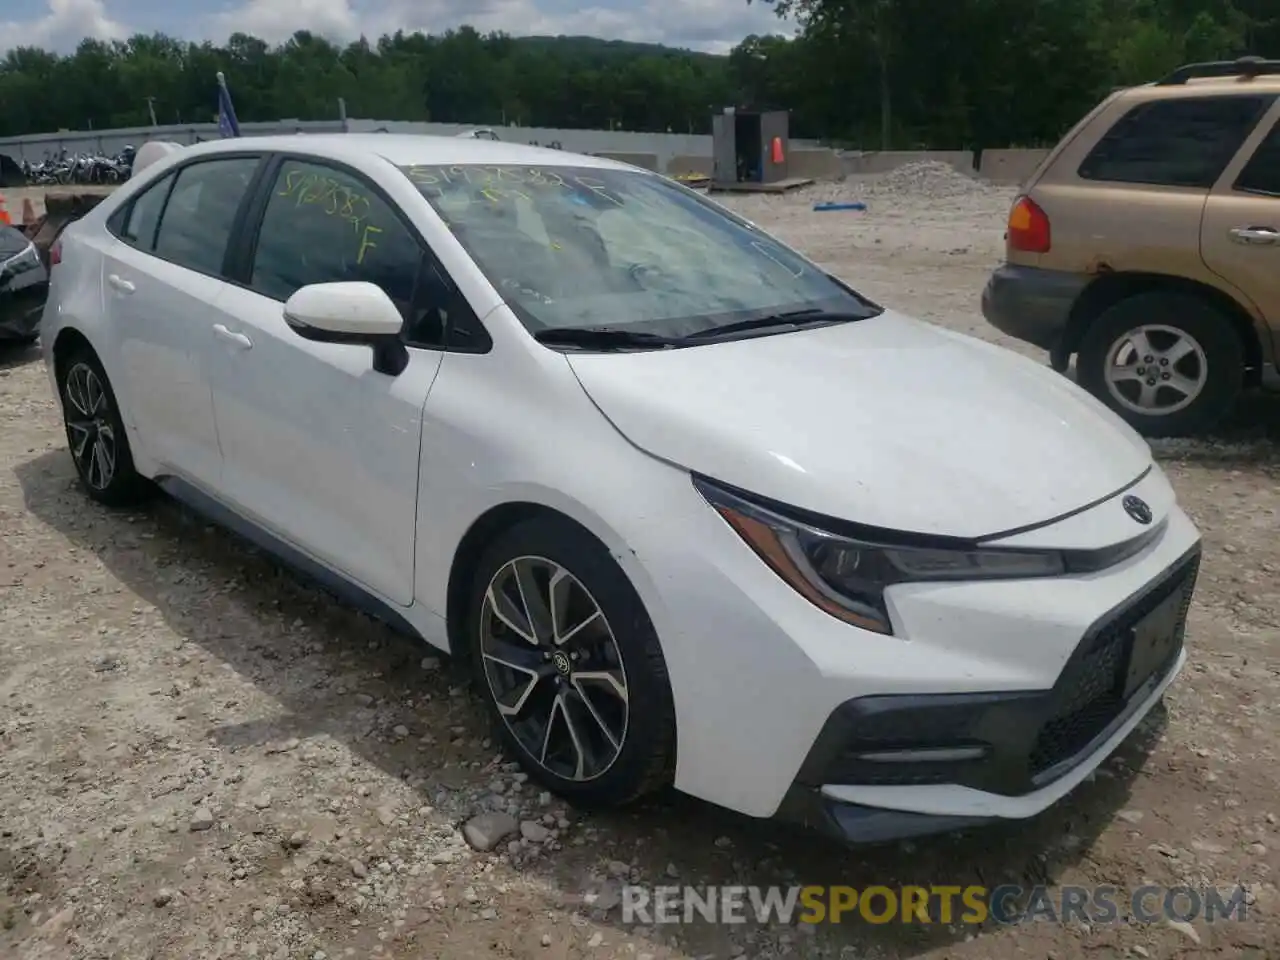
<point x="698" y="512"/>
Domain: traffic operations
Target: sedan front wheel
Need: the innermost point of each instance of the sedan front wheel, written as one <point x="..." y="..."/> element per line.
<point x="570" y="666"/>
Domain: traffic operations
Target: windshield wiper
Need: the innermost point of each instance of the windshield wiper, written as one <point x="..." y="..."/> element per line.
<point x="789" y="318"/>
<point x="604" y="338"/>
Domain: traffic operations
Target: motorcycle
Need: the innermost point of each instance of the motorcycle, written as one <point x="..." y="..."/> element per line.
<point x="61" y="169"/>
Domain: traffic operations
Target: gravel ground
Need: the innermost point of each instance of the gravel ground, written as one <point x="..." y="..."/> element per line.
<point x="203" y="757"/>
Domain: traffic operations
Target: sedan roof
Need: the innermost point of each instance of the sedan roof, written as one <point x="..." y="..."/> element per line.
<point x="406" y="150"/>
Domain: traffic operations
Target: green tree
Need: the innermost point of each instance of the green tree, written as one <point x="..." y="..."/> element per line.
<point x="884" y="73"/>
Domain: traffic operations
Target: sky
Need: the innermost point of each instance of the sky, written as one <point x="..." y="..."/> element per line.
<point x="714" y="25"/>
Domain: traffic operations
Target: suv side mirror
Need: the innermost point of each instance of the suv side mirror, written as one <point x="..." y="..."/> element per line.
<point x="351" y="312"/>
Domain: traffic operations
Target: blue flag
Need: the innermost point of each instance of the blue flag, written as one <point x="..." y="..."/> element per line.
<point x="228" y="125"/>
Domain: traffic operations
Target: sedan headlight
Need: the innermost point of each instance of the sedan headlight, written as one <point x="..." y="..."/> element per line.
<point x="847" y="576"/>
<point x="28" y="259"/>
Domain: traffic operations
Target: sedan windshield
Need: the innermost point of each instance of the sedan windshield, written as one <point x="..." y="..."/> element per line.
<point x="618" y="250"/>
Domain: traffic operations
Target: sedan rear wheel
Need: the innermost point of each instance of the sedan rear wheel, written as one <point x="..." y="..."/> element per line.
<point x="570" y="666"/>
<point x="96" y="434"/>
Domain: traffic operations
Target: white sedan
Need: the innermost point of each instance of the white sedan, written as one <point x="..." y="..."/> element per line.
<point x="697" y="512"/>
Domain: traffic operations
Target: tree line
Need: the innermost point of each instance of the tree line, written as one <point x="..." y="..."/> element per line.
<point x="871" y="73"/>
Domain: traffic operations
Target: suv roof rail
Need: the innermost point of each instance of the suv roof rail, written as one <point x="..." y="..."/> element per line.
<point x="1249" y="67"/>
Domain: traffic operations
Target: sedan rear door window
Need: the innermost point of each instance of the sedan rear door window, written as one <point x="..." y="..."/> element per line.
<point x="201" y="210"/>
<point x="136" y="224"/>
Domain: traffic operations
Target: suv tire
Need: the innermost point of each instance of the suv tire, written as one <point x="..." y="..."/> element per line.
<point x="1187" y="379"/>
<point x="596" y="676"/>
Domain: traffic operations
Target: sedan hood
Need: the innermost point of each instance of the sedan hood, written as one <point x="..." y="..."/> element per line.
<point x="887" y="422"/>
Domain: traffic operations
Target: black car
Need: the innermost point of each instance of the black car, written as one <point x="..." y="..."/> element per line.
<point x="24" y="286"/>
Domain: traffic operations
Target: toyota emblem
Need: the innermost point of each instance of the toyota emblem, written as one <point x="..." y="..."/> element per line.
<point x="1137" y="508"/>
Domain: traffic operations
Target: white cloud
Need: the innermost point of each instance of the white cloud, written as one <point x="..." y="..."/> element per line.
<point x="66" y="23"/>
<point x="714" y="25"/>
<point x="705" y="24"/>
<point x="276" y="20"/>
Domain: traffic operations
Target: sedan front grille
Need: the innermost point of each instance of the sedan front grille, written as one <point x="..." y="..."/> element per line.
<point x="1089" y="694"/>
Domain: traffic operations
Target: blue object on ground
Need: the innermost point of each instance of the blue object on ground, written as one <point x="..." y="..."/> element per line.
<point x="823" y="207"/>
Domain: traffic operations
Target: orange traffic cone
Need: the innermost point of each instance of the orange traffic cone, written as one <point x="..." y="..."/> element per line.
<point x="4" y="213"/>
<point x="778" y="156"/>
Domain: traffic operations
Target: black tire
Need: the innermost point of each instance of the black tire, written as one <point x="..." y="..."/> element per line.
<point x="645" y="752"/>
<point x="121" y="485"/>
<point x="1190" y="316"/>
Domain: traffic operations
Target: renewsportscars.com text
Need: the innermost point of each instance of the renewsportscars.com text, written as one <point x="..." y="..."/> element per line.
<point x="939" y="904"/>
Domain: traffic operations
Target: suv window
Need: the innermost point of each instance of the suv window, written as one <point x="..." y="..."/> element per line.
<point x="1262" y="174"/>
<point x="197" y="220"/>
<point x="1175" y="143"/>
<point x="323" y="225"/>
<point x="137" y="225"/>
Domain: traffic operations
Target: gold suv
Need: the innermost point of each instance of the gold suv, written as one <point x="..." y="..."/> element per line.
<point x="1147" y="245"/>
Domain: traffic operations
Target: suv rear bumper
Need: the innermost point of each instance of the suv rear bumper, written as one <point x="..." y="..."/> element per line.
<point x="1031" y="304"/>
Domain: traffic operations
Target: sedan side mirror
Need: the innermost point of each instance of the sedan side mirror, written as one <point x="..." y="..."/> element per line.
<point x="354" y="312"/>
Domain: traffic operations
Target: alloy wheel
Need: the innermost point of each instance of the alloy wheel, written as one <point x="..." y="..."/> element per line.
<point x="1156" y="370"/>
<point x="554" y="668"/>
<point x="89" y="431"/>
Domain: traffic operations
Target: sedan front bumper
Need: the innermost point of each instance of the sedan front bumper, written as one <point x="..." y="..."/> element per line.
<point x="890" y="767"/>
<point x="22" y="300"/>
<point x="763" y="680"/>
<point x="20" y="317"/>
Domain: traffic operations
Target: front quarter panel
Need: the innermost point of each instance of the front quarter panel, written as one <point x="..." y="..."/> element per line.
<point x="485" y="444"/>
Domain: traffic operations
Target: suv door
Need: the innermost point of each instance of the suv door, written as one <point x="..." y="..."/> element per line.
<point x="1240" y="233"/>
<point x="319" y="448"/>
<point x="161" y="282"/>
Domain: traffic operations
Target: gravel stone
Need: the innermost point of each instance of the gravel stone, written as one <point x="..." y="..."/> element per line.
<point x="485" y="831"/>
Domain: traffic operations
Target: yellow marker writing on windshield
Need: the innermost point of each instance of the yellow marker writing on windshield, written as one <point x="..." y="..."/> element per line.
<point x="366" y="242"/>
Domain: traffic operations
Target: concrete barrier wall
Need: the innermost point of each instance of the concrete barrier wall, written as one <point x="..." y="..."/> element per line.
<point x="648" y="161"/>
<point x="665" y="146"/>
<point x="690" y="163"/>
<point x="110" y="142"/>
<point x="882" y="161"/>
<point x="1010" y="166"/>
<point x="814" y="164"/>
<point x="997" y="166"/>
<point x="674" y="153"/>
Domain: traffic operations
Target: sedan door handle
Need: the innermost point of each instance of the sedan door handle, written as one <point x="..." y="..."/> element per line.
<point x="120" y="283"/>
<point x="239" y="339"/>
<point x="1255" y="236"/>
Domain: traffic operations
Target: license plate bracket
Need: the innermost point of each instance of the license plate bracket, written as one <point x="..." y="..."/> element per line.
<point x="1155" y="638"/>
